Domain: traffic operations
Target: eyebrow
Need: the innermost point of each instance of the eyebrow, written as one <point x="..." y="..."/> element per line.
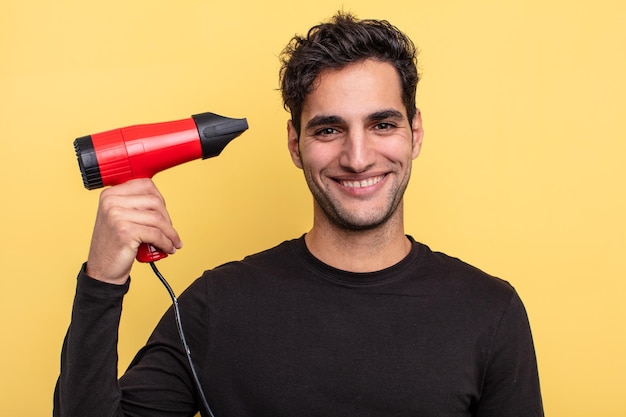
<point x="386" y="114"/>
<point x="324" y="120"/>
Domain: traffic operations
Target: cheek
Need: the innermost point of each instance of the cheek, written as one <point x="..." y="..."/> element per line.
<point x="398" y="152"/>
<point x="318" y="156"/>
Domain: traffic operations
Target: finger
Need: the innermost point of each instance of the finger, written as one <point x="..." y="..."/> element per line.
<point x="123" y="211"/>
<point x="140" y="194"/>
<point x="143" y="226"/>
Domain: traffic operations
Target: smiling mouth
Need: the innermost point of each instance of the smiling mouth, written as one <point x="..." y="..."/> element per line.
<point x="362" y="183"/>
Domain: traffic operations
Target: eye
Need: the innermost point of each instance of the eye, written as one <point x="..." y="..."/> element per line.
<point x="384" y="126"/>
<point x="325" y="132"/>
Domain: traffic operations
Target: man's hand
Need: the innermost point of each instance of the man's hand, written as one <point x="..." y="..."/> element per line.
<point x="128" y="215"/>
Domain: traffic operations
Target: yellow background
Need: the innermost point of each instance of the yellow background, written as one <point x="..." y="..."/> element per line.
<point x="522" y="170"/>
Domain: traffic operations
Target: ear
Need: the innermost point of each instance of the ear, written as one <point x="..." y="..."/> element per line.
<point x="293" y="143"/>
<point x="418" y="133"/>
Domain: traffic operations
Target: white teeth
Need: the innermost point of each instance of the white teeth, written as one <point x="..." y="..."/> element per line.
<point x="363" y="183"/>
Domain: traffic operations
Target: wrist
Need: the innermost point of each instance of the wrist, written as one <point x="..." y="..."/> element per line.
<point x="102" y="275"/>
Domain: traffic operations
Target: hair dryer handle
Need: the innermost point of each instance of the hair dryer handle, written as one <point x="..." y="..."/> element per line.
<point x="148" y="253"/>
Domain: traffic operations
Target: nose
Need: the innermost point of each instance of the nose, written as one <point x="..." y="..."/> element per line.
<point x="357" y="153"/>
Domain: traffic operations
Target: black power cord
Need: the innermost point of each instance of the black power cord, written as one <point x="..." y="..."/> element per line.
<point x="179" y="326"/>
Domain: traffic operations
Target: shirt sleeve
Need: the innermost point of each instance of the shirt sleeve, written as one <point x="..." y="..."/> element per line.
<point x="157" y="383"/>
<point x="87" y="384"/>
<point x="511" y="383"/>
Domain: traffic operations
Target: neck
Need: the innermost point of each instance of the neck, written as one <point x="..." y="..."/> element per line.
<point x="359" y="250"/>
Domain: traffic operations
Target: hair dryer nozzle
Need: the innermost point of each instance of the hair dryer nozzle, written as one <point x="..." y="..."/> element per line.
<point x="217" y="131"/>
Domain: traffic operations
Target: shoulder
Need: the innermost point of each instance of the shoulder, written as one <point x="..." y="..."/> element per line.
<point x="475" y="297"/>
<point x="284" y="254"/>
<point x="247" y="278"/>
<point x="273" y="262"/>
<point x="462" y="278"/>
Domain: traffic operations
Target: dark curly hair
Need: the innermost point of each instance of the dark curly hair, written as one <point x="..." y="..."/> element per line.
<point x="335" y="44"/>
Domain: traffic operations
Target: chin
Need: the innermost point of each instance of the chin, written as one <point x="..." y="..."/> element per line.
<point x="354" y="223"/>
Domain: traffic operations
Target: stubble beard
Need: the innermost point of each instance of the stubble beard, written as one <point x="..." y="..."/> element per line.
<point x="344" y="219"/>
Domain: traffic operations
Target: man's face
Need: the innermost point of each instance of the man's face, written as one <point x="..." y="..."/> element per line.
<point x="356" y="145"/>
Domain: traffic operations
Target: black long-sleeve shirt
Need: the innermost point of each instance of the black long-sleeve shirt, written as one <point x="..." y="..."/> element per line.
<point x="283" y="334"/>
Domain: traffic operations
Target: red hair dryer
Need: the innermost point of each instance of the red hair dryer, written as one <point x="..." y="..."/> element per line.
<point x="140" y="151"/>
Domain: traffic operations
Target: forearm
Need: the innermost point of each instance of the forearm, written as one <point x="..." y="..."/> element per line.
<point x="88" y="383"/>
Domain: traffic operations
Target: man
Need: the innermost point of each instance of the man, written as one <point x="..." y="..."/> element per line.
<point x="355" y="318"/>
